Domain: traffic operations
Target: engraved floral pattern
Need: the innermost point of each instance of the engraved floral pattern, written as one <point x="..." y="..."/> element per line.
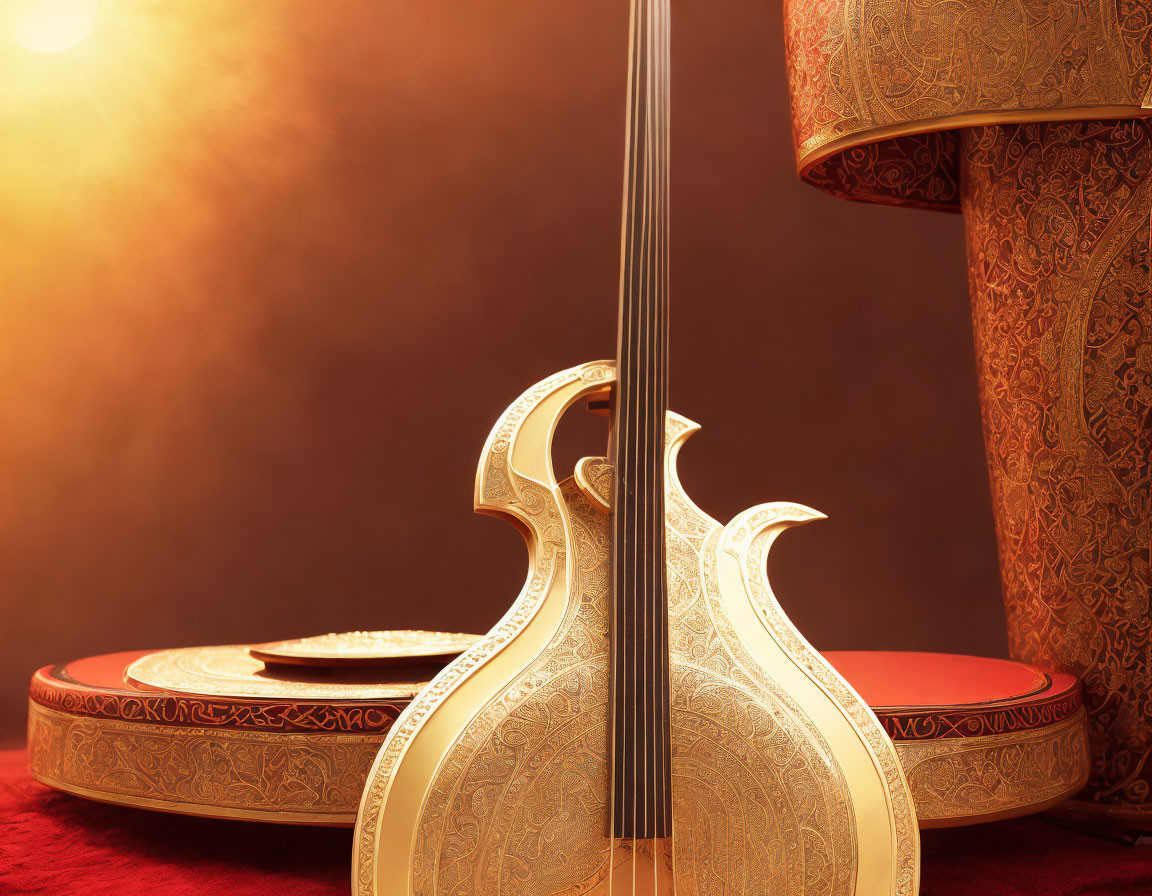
<point x="996" y="776"/>
<point x="749" y="537"/>
<point x="1057" y="222"/>
<point x="516" y="797"/>
<point x="519" y="800"/>
<point x="905" y="73"/>
<point x="518" y="806"/>
<point x="314" y="777"/>
<point x="498" y="489"/>
<point x="943" y="104"/>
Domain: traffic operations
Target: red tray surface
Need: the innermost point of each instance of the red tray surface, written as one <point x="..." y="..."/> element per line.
<point x="105" y="671"/>
<point x="891" y="679"/>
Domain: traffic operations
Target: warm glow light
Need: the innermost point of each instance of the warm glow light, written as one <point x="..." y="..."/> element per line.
<point x="51" y="26"/>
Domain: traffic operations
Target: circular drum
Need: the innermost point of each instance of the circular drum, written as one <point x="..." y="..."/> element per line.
<point x="979" y="739"/>
<point x="254" y="747"/>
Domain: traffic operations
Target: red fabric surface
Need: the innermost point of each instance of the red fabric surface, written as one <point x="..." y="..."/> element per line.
<point x="52" y="843"/>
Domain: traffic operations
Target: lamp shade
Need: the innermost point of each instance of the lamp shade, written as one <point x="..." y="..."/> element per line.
<point x="879" y="88"/>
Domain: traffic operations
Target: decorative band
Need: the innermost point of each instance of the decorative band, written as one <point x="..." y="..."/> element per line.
<point x="958" y="781"/>
<point x="223" y="773"/>
<point x="213" y="712"/>
<point x="908" y="724"/>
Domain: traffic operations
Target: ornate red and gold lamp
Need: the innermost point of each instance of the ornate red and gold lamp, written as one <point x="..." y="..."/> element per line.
<point x="1030" y="120"/>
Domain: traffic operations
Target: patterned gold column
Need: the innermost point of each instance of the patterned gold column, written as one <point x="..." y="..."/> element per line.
<point x="1031" y="116"/>
<point x="1058" y="219"/>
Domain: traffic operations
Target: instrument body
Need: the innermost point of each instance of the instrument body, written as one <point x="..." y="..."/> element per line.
<point x="496" y="778"/>
<point x="644" y="720"/>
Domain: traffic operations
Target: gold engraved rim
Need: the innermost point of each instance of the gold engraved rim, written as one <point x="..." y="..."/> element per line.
<point x="83" y="756"/>
<point x="231" y="671"/>
<point x="338" y="649"/>
<point x="817" y="150"/>
<point x="971" y="780"/>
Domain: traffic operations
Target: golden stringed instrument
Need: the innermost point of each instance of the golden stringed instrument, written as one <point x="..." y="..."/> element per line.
<point x="645" y="719"/>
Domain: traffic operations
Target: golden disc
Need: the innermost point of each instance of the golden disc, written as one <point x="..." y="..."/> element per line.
<point x="232" y="671"/>
<point x="340" y="649"/>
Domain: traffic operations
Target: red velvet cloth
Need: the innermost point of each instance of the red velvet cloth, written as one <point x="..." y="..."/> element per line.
<point x="52" y="843"/>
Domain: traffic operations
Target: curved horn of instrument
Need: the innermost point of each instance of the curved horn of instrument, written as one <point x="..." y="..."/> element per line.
<point x="514" y="479"/>
<point x="886" y="820"/>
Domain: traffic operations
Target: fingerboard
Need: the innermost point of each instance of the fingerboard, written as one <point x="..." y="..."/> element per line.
<point x="640" y="743"/>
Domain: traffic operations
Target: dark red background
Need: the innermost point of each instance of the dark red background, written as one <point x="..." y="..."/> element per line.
<point x="248" y="368"/>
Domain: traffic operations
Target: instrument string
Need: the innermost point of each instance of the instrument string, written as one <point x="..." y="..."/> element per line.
<point x="640" y="749"/>
<point x="646" y="594"/>
<point x="663" y="728"/>
<point x="634" y="380"/>
<point x="622" y="439"/>
<point x="625" y="524"/>
<point x="665" y="363"/>
<point x="654" y="555"/>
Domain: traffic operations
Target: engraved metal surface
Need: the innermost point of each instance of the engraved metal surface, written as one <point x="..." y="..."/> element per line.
<point x="748" y="538"/>
<point x="593" y="476"/>
<point x="1057" y="223"/>
<point x="289" y="778"/>
<point x="877" y="85"/>
<point x="495" y="779"/>
<point x="231" y="671"/>
<point x="534" y="760"/>
<point x="964" y="780"/>
<point x="362" y="648"/>
<point x="514" y="481"/>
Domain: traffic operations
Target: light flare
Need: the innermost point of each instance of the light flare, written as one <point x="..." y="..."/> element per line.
<point x="50" y="26"/>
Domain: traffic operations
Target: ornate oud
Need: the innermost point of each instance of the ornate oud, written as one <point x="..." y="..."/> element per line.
<point x="645" y="719"/>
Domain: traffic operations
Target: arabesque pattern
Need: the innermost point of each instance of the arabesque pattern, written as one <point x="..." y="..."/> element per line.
<point x="877" y="84"/>
<point x="495" y="779"/>
<point x="1058" y="246"/>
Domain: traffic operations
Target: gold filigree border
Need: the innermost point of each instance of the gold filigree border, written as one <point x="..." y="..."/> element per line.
<point x="818" y="151"/>
<point x="313" y="779"/>
<point x="967" y="780"/>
